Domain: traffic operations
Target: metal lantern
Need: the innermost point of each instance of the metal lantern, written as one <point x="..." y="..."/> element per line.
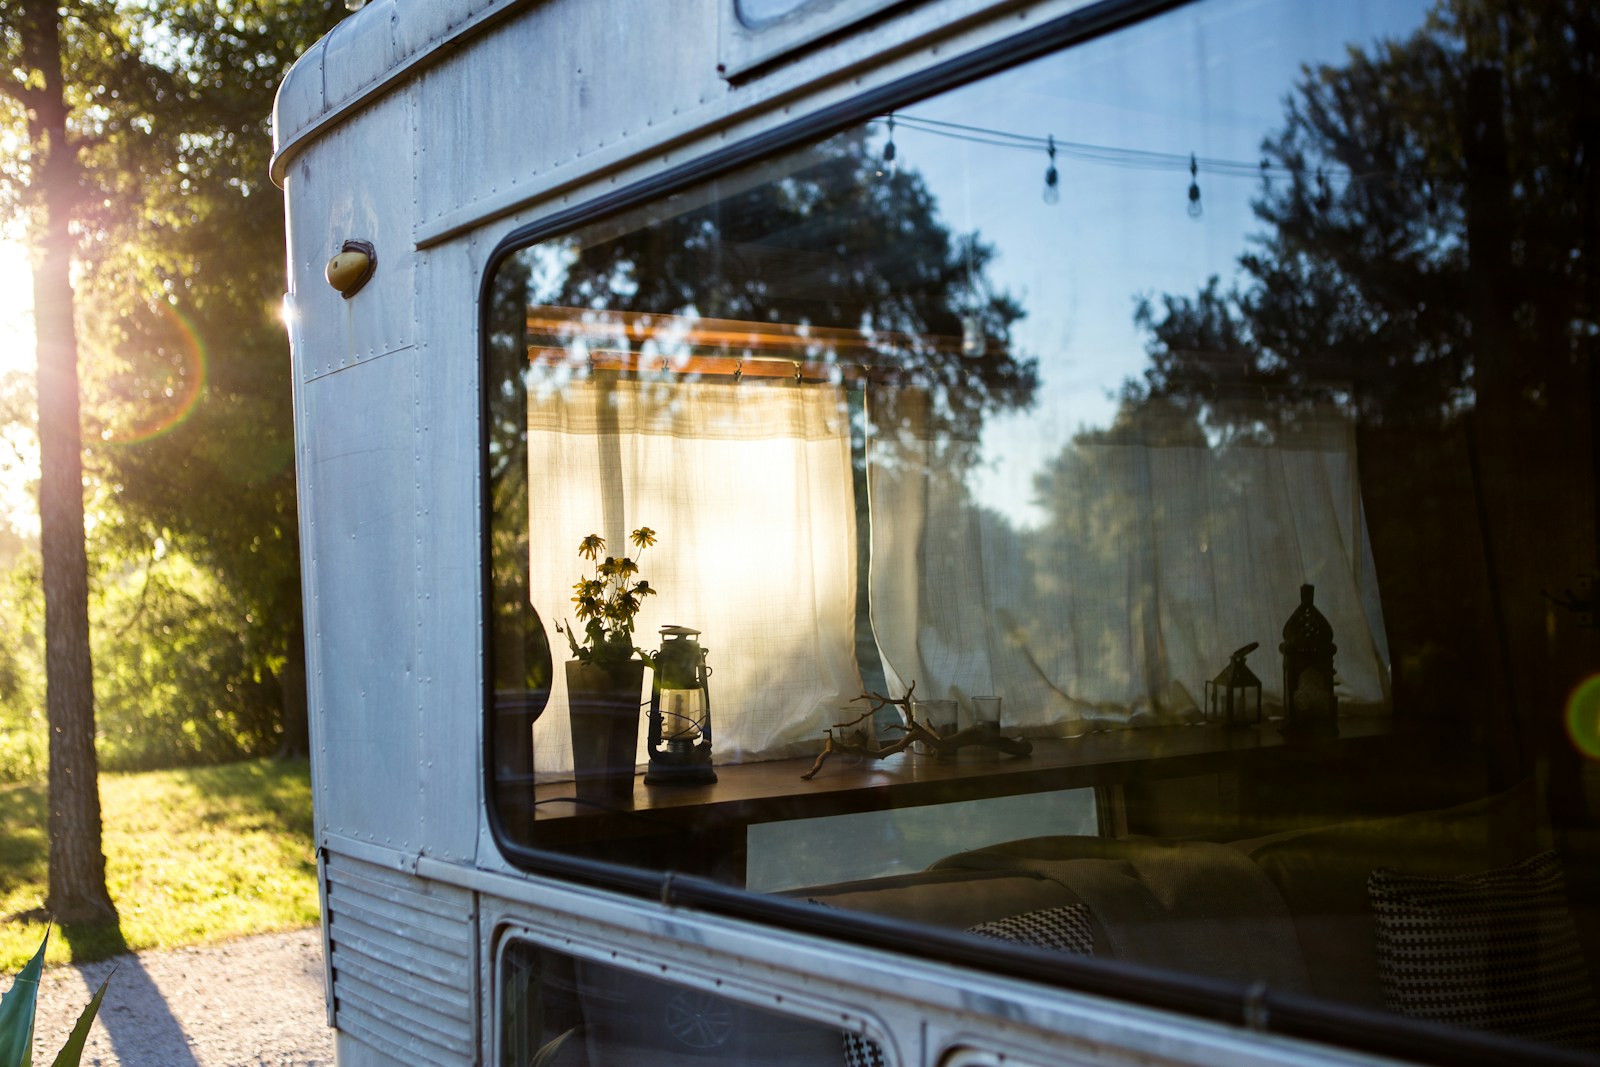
<point x="1309" y="703"/>
<point x="1228" y="694"/>
<point x="680" y="711"/>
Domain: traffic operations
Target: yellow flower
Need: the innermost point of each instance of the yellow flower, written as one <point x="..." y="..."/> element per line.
<point x="606" y="600"/>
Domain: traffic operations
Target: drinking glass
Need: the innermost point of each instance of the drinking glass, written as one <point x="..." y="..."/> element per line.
<point x="986" y="712"/>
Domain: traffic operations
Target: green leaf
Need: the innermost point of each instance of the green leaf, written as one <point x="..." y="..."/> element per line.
<point x="16" y="1012"/>
<point x="72" y="1051"/>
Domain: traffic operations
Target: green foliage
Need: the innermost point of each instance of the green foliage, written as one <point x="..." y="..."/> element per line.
<point x="191" y="398"/>
<point x="186" y="671"/>
<point x="22" y="729"/>
<point x="192" y="856"/>
<point x="185" y="366"/>
<point x="193" y="685"/>
<point x="72" y="1051"/>
<point x="17" y="1010"/>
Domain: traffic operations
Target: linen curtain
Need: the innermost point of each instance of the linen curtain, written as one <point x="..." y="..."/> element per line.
<point x="1159" y="553"/>
<point x="748" y="487"/>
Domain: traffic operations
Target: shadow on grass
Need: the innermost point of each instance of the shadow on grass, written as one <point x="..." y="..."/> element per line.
<point x="277" y="790"/>
<point x="135" y="1014"/>
<point x="24" y="843"/>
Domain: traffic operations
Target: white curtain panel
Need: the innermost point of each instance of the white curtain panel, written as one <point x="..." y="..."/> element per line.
<point x="1153" y="562"/>
<point x="748" y="487"/>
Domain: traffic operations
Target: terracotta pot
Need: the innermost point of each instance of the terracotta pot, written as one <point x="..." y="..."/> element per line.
<point x="604" y="706"/>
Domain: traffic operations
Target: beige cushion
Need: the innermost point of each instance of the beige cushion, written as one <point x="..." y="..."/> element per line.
<point x="1190" y="906"/>
<point x="956" y="899"/>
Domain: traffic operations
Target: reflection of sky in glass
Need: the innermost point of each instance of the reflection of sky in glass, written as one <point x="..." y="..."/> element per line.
<point x="1210" y="80"/>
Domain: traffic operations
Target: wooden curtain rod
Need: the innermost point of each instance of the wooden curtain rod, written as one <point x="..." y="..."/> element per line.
<point x="846" y="346"/>
<point x="805" y="372"/>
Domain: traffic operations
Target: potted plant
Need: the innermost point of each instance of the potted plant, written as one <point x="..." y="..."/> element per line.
<point x="605" y="676"/>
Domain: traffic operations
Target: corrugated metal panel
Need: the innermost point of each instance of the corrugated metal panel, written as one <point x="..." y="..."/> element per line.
<point x="402" y="960"/>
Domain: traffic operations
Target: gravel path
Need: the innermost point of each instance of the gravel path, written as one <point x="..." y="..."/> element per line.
<point x="255" y="1002"/>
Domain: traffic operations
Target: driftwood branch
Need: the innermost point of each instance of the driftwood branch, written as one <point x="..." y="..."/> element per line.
<point x="863" y="744"/>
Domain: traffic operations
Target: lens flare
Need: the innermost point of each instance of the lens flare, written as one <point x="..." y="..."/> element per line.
<point x="177" y="403"/>
<point x="1583" y="717"/>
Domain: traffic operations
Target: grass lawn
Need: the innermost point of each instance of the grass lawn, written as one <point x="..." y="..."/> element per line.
<point x="192" y="856"/>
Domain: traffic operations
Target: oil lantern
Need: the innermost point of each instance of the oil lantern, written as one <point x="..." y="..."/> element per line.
<point x="1228" y="694"/>
<point x="1309" y="703"/>
<point x="680" y="711"/>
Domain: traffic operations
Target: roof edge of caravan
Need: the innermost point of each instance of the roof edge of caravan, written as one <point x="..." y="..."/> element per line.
<point x="366" y="56"/>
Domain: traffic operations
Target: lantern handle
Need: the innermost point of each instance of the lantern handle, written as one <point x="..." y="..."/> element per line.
<point x="1246" y="650"/>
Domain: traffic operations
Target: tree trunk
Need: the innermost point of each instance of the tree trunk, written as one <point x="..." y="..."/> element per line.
<point x="77" y="891"/>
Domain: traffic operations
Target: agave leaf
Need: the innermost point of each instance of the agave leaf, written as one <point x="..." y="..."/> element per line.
<point x="546" y="1055"/>
<point x="72" y="1051"/>
<point x="16" y="1012"/>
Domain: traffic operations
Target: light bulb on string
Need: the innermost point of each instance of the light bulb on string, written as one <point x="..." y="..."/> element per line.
<point x="1052" y="178"/>
<point x="973" y="341"/>
<point x="1195" y="210"/>
<point x="889" y="166"/>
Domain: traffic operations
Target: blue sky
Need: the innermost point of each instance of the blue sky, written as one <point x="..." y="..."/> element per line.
<point x="1209" y="79"/>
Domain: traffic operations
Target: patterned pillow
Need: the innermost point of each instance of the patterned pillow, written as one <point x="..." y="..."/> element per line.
<point x="862" y="1052"/>
<point x="1493" y="951"/>
<point x="1065" y="929"/>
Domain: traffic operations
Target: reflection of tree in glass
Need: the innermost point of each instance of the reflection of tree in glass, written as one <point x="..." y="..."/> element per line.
<point x="1430" y="269"/>
<point x="831" y="244"/>
<point x="1428" y="174"/>
<point x="520" y="647"/>
<point x="860" y="262"/>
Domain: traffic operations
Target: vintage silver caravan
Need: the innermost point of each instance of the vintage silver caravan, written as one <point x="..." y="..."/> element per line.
<point x="958" y="532"/>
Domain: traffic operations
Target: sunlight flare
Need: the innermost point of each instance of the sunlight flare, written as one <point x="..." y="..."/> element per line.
<point x="19" y="445"/>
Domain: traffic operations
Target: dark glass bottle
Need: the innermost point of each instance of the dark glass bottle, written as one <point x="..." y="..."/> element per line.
<point x="1309" y="703"/>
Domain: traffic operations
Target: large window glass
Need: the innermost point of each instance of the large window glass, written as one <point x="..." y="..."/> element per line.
<point x="1154" y="483"/>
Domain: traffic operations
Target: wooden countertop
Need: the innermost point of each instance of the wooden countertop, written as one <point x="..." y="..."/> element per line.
<point x="773" y="791"/>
